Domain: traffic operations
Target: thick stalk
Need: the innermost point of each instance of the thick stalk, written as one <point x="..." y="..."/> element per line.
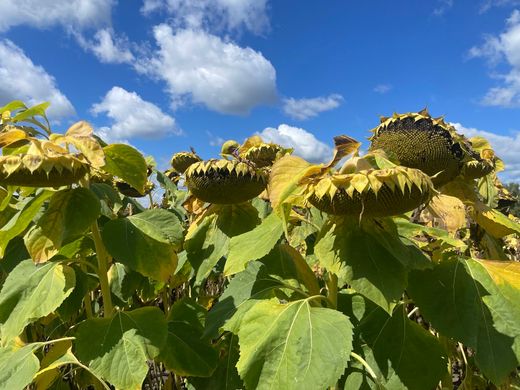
<point x="102" y="258"/>
<point x="332" y="288"/>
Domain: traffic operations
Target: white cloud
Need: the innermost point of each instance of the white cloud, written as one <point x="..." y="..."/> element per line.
<point x="383" y="88"/>
<point x="304" y="143"/>
<point x="442" y="7"/>
<point x="213" y="15"/>
<point x="107" y="47"/>
<point x="310" y="107"/>
<point x="21" y="79"/>
<point x="202" y="67"/>
<point x="505" y="146"/>
<point x="505" y="46"/>
<point x="132" y="117"/>
<point x="77" y="14"/>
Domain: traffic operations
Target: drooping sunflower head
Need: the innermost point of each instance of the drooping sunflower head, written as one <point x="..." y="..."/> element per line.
<point x="182" y="160"/>
<point x="482" y="160"/>
<point x="224" y="181"/>
<point x="260" y="153"/>
<point x="419" y="141"/>
<point x="370" y="186"/>
<point x="31" y="162"/>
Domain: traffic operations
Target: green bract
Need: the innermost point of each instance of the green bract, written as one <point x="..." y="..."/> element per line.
<point x="225" y="182"/>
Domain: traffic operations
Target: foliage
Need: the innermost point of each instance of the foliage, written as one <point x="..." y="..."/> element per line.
<point x="98" y="291"/>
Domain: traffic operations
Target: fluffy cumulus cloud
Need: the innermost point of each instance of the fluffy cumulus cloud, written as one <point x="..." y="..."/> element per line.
<point x="68" y="13"/>
<point x="208" y="70"/>
<point x="305" y="144"/>
<point x="107" y="47"/>
<point x="310" y="107"/>
<point x="499" y="48"/>
<point x="213" y="15"/>
<point x="132" y="117"/>
<point x="506" y="147"/>
<point x="21" y="79"/>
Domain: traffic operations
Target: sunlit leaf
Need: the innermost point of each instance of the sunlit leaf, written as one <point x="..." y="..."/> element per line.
<point x="18" y="366"/>
<point x="118" y="348"/>
<point x="293" y="345"/>
<point x="494" y="222"/>
<point x="28" y="208"/>
<point x="253" y="245"/>
<point x="31" y="292"/>
<point x="126" y="163"/>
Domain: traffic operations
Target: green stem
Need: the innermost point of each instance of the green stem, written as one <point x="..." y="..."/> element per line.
<point x="166" y="300"/>
<point x="151" y="200"/>
<point x="103" y="261"/>
<point x="366" y="365"/>
<point x="332" y="288"/>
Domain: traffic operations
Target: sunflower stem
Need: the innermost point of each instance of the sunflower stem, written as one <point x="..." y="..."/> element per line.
<point x="332" y="288"/>
<point x="103" y="260"/>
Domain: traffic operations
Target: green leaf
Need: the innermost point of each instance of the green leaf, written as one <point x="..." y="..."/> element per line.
<point x="145" y="242"/>
<point x="225" y="376"/>
<point x="415" y="355"/>
<point x="282" y="269"/>
<point x="253" y="245"/>
<point x="293" y="346"/>
<point x="39" y="109"/>
<point x="501" y="279"/>
<point x="28" y="208"/>
<point x="73" y="303"/>
<point x="68" y="216"/>
<point x="126" y="163"/>
<point x="18" y="366"/>
<point x="207" y="240"/>
<point x="353" y="253"/>
<point x="109" y="199"/>
<point x="452" y="301"/>
<point x="185" y="353"/>
<point x="31" y="292"/>
<point x="58" y="355"/>
<point x="118" y="348"/>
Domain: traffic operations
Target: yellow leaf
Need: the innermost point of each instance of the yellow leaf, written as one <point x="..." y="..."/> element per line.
<point x="80" y="129"/>
<point x="493" y="221"/>
<point x="503" y="271"/>
<point x="449" y="210"/>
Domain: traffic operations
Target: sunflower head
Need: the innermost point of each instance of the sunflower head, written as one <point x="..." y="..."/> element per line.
<point x="370" y="186"/>
<point x="32" y="162"/>
<point x="224" y="181"/>
<point x="419" y="141"/>
<point x="182" y="160"/>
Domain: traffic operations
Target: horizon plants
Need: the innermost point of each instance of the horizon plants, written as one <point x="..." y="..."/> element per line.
<point x="379" y="271"/>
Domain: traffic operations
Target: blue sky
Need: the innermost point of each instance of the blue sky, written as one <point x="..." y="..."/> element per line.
<point x="168" y="74"/>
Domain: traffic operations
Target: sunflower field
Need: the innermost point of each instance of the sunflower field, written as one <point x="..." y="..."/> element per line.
<point x="393" y="266"/>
